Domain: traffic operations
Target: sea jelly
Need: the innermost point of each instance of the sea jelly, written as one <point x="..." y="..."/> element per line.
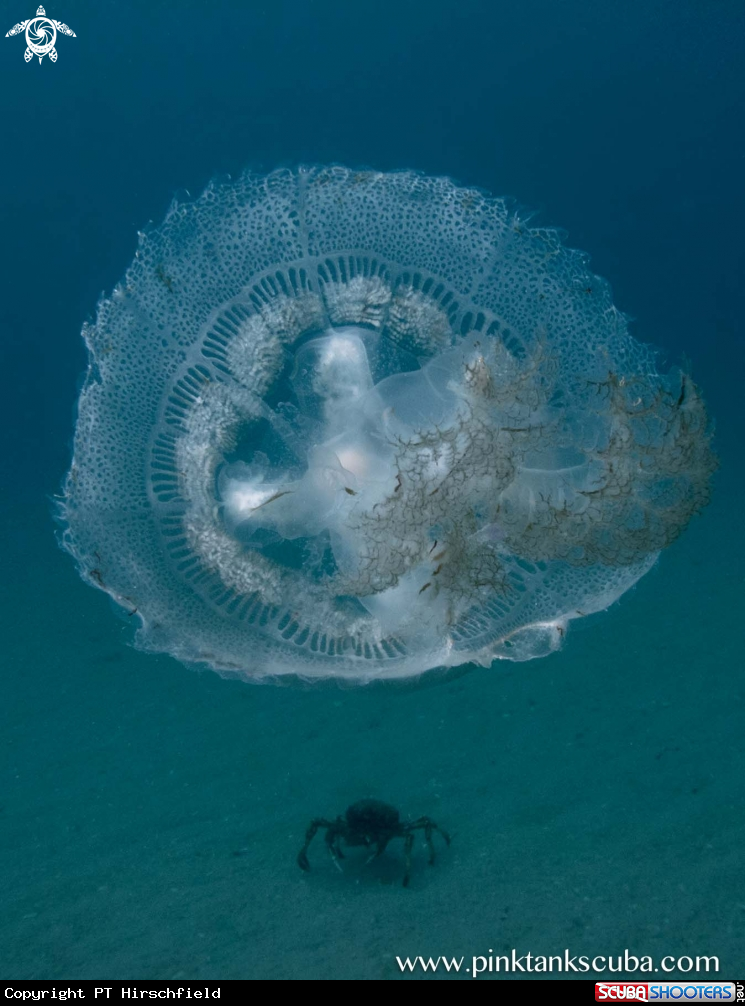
<point x="363" y="425"/>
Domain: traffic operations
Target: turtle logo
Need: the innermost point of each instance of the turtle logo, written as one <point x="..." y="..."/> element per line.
<point x="41" y="34"/>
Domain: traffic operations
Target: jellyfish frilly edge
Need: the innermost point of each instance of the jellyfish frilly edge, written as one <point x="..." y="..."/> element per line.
<point x="362" y="425"/>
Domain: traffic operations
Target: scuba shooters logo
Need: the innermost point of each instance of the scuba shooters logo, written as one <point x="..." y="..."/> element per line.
<point x="666" y="992"/>
<point x="41" y="35"/>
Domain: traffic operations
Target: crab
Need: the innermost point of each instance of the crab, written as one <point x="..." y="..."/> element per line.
<point x="370" y="822"/>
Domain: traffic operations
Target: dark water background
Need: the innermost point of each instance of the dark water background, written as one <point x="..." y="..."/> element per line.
<point x="149" y="815"/>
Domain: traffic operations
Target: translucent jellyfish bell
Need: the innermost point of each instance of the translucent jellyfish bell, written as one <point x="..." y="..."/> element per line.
<point x="363" y="425"/>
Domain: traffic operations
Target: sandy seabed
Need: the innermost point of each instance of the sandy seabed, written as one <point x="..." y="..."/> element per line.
<point x="151" y="815"/>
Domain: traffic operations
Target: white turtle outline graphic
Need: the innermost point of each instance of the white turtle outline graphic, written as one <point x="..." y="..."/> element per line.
<point x="40" y="25"/>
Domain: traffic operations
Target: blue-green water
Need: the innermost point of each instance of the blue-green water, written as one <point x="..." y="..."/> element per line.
<point x="151" y="815"/>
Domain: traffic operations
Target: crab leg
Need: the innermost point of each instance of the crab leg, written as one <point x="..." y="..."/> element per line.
<point x="379" y="850"/>
<point x="310" y="834"/>
<point x="333" y="838"/>
<point x="430" y="826"/>
<point x="407" y="856"/>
